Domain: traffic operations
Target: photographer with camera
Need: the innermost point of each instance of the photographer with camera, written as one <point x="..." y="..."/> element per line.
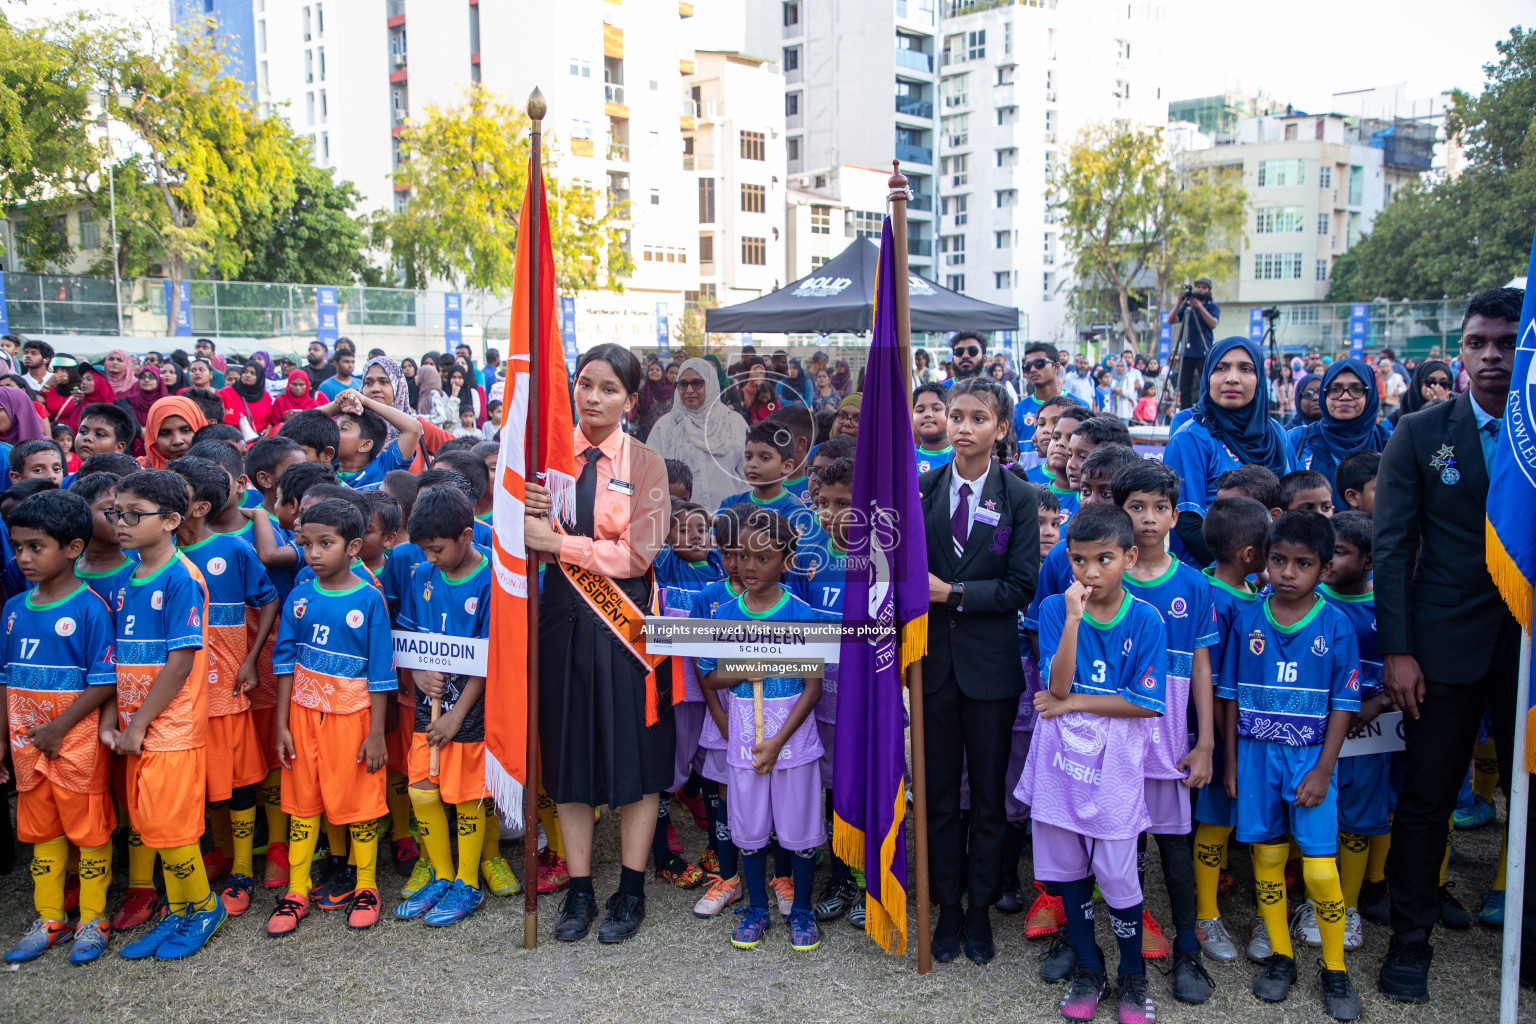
<point x="1199" y="315"/>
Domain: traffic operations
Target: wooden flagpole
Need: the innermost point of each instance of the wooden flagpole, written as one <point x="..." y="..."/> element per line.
<point x="536" y="112"/>
<point x="898" y="200"/>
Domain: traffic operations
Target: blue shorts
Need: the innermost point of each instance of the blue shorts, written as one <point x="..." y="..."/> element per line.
<point x="1212" y="805"/>
<point x="1267" y="777"/>
<point x="1365" y="794"/>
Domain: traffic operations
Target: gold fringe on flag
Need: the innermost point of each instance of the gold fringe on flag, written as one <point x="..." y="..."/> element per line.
<point x="914" y="642"/>
<point x="847" y="843"/>
<point x="1520" y="596"/>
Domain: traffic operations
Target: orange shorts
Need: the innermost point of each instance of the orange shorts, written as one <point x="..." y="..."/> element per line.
<point x="166" y="790"/>
<point x="234" y="755"/>
<point x="461" y="769"/>
<point x="398" y="741"/>
<point x="47" y="811"/>
<point x="264" y="722"/>
<point x="326" y="775"/>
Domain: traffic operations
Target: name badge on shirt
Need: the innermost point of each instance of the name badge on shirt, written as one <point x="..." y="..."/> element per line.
<point x="621" y="486"/>
<point x="987" y="515"/>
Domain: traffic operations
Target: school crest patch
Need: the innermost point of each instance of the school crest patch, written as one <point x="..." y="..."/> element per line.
<point x="1256" y="641"/>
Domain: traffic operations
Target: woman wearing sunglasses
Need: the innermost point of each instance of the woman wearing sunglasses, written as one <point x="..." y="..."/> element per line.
<point x="1432" y="382"/>
<point x="1346" y="422"/>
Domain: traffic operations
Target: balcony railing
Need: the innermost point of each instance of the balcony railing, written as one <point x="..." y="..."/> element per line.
<point x="914" y="59"/>
<point x="919" y="247"/>
<point x="613" y="93"/>
<point x="913" y="154"/>
<point x="914" y="108"/>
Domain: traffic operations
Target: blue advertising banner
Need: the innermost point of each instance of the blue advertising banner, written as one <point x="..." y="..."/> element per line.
<point x="1165" y="343"/>
<point x="183" y="315"/>
<point x="1359" y="326"/>
<point x="5" y="321"/>
<point x="325" y="309"/>
<point x="568" y="331"/>
<point x="663" y="330"/>
<point x="453" y="319"/>
<point x="1256" y="325"/>
<point x="1008" y="346"/>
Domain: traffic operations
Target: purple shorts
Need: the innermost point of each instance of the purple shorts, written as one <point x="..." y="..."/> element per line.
<point x="1018" y="811"/>
<point x="1168" y="807"/>
<point x="1063" y="856"/>
<point x="786" y="802"/>
<point x="828" y="732"/>
<point x="714" y="767"/>
<point x="688" y="718"/>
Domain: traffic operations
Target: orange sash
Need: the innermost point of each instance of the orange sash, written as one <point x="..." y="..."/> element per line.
<point x="626" y="621"/>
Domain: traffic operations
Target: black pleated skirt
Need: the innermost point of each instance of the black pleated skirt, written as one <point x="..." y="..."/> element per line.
<point x="594" y="745"/>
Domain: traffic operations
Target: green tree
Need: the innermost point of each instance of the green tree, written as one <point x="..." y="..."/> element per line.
<point x="1134" y="225"/>
<point x="209" y="163"/>
<point x="314" y="239"/>
<point x="467" y="168"/>
<point x="1450" y="238"/>
<point x="689" y="334"/>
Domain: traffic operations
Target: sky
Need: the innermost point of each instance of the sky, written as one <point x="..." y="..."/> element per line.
<point x="1299" y="51"/>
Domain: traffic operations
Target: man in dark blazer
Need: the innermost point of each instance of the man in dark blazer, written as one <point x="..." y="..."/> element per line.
<point x="1450" y="648"/>
<point x="972" y="675"/>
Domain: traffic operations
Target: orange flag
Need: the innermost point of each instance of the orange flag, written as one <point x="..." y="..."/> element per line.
<point x="508" y="673"/>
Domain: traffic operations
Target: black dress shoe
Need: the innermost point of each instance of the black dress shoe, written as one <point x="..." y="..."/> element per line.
<point x="979" y="947"/>
<point x="1405" y="971"/>
<point x="946" y="934"/>
<point x="625" y="912"/>
<point x="576" y="915"/>
<point x="1012" y="899"/>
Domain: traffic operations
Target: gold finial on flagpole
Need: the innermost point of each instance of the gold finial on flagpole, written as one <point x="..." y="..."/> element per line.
<point x="536" y="106"/>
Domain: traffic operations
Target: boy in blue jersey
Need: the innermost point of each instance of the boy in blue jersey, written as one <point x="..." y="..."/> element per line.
<point x="801" y="424"/>
<point x="930" y="426"/>
<point x="235" y="580"/>
<point x="57" y="670"/>
<point x="679" y="480"/>
<point x="265" y="461"/>
<point x="103" y="565"/>
<point x="766" y="461"/>
<point x="1366" y="790"/>
<point x="829" y="451"/>
<point x="1256" y="482"/>
<point x="1234" y="532"/>
<point x="450" y="594"/>
<point x="1177" y="762"/>
<point x="315" y="432"/>
<point x="1293" y="667"/>
<point x="1355" y="480"/>
<point x="335" y="675"/>
<point x="1103" y="652"/>
<point x="38" y="459"/>
<point x="466" y="479"/>
<point x="364" y="453"/>
<point x="228" y="518"/>
<point x="1058" y="455"/>
<point x="1044" y="437"/>
<point x="1306" y="489"/>
<point x="775" y="784"/>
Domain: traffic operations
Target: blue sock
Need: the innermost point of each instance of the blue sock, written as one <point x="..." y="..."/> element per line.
<point x="1127" y="925"/>
<point x="724" y="848"/>
<point x="802" y="866"/>
<point x="711" y="790"/>
<point x="781" y="858"/>
<point x="754" y="866"/>
<point x="1077" y="899"/>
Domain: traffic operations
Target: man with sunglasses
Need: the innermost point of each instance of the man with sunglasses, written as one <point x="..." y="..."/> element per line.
<point x="1040" y="369"/>
<point x="968" y="356"/>
<point x="1200" y="315"/>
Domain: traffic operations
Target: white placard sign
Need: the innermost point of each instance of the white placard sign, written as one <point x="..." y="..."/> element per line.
<point x="439" y="652"/>
<point x="1383" y="736"/>
<point x="721" y="638"/>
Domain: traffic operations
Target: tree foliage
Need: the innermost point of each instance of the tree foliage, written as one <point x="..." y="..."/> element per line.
<point x="316" y="238"/>
<point x="1135" y="225"/>
<point x="466" y="168"/>
<point x="1451" y="238"/>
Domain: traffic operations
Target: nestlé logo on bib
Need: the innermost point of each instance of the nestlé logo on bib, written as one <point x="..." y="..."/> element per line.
<point x="65" y="626"/>
<point x="355" y="618"/>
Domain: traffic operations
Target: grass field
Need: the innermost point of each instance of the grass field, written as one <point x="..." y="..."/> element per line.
<point x="677" y="969"/>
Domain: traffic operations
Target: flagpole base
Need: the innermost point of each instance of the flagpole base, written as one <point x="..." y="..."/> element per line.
<point x="531" y="928"/>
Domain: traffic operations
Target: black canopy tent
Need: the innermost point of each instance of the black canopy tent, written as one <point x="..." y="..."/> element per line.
<point x="839" y="297"/>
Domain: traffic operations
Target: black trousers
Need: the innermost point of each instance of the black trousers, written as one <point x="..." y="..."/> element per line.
<point x="1439" y="748"/>
<point x="1190" y="369"/>
<point x="972" y="736"/>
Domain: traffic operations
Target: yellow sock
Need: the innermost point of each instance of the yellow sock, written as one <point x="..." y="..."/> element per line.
<point x="1354" y="854"/>
<point x="271" y="793"/>
<point x="223" y="834"/>
<point x="243" y="833"/>
<point x="1210" y="852"/>
<point x="185" y="863"/>
<point x="365" y="848"/>
<point x="1445" y="858"/>
<point x="432" y="829"/>
<point x="174" y="898"/>
<point x="1322" y="876"/>
<point x="141" y="862"/>
<point x="1485" y="769"/>
<point x="491" y="848"/>
<point x="471" y="841"/>
<point x="48" y="862"/>
<point x="551" y="822"/>
<point x="303" y="837"/>
<point x="336" y="836"/>
<point x="399" y="807"/>
<point x="1376" y="865"/>
<point x="1498" y="876"/>
<point x="95" y="876"/>
<point x="1269" y="883"/>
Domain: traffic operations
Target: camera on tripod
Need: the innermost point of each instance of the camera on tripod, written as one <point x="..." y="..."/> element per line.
<point x="1271" y="314"/>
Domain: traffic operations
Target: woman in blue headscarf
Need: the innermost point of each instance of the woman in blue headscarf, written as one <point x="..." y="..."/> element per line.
<point x="1309" y="400"/>
<point x="1346" y="422"/>
<point x="1229" y="426"/>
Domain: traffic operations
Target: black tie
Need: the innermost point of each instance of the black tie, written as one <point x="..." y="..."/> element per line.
<point x="586" y="492"/>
